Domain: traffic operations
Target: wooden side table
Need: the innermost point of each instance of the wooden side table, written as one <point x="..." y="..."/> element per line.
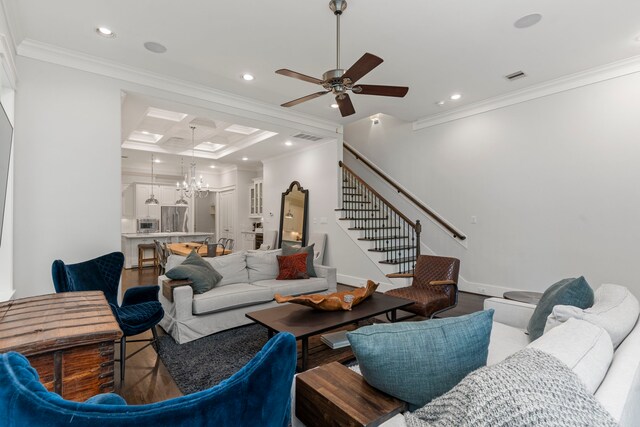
<point x="333" y="394"/>
<point x="68" y="339"/>
<point x="523" y="296"/>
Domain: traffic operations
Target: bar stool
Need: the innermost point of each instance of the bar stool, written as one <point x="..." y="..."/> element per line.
<point x="142" y="247"/>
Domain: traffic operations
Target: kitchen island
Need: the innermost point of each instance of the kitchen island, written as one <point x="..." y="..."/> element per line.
<point x="130" y="242"/>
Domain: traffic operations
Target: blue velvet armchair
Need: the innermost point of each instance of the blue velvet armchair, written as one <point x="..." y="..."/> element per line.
<point x="257" y="395"/>
<point x="140" y="309"/>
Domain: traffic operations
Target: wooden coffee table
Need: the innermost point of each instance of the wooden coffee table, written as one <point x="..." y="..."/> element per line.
<point x="304" y="322"/>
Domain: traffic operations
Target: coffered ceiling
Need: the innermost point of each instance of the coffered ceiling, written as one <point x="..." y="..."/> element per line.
<point x="436" y="47"/>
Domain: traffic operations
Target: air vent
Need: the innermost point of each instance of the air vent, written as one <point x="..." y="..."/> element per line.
<point x="515" y="76"/>
<point x="307" y="137"/>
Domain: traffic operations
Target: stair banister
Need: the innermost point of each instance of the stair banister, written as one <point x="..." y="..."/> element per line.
<point x="456" y="234"/>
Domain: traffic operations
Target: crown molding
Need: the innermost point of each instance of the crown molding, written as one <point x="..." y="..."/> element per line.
<point x="562" y="84"/>
<point x="227" y="102"/>
<point x="8" y="61"/>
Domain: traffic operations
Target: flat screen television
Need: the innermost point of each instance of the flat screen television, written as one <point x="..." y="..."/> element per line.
<point x="6" y="136"/>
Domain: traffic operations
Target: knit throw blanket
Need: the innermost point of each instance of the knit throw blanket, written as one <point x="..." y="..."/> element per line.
<point x="530" y="388"/>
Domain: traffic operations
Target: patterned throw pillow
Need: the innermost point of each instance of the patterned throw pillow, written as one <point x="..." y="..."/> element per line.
<point x="292" y="267"/>
<point x="309" y="250"/>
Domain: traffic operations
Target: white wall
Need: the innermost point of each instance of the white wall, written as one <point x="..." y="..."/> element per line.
<point x="67" y="169"/>
<point x="553" y="183"/>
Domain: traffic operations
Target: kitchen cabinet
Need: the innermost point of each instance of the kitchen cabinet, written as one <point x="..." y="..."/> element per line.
<point x="255" y="193"/>
<point x="134" y="196"/>
<point x="168" y="195"/>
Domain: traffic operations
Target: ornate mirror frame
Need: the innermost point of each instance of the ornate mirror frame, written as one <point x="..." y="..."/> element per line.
<point x="305" y="213"/>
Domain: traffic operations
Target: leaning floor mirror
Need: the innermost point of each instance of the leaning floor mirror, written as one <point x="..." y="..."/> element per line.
<point x="293" y="216"/>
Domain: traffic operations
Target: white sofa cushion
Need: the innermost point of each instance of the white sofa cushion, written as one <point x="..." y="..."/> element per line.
<point x="505" y="340"/>
<point x="231" y="296"/>
<point x="614" y="308"/>
<point x="582" y="346"/>
<point x="262" y="265"/>
<point x="233" y="267"/>
<point x="294" y="287"/>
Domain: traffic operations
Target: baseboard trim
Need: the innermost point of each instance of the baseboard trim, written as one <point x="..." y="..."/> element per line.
<point x="7" y="295"/>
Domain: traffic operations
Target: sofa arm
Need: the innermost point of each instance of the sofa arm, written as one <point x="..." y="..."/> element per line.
<point x="328" y="273"/>
<point x="511" y="313"/>
<point x="181" y="308"/>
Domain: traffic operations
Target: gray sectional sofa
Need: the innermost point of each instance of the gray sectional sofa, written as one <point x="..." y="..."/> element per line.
<point x="248" y="284"/>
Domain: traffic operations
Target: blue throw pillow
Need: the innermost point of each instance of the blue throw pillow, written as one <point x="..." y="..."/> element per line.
<point x="575" y="292"/>
<point x="202" y="275"/>
<point x="419" y="361"/>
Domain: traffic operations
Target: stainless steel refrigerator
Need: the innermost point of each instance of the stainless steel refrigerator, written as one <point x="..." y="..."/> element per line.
<point x="174" y="219"/>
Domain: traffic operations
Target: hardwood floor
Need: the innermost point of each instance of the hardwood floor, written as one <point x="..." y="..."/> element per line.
<point x="148" y="380"/>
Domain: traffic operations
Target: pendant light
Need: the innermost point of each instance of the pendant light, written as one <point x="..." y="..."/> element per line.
<point x="152" y="199"/>
<point x="289" y="215"/>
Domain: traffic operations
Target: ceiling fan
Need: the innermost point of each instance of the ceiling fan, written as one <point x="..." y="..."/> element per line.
<point x="338" y="82"/>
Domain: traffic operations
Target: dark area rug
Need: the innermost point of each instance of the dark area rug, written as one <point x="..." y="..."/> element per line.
<point x="203" y="363"/>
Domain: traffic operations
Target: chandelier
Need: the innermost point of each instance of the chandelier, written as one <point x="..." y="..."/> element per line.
<point x="152" y="199"/>
<point x="192" y="186"/>
<point x="181" y="201"/>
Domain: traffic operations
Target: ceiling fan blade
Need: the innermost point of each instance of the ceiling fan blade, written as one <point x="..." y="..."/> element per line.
<point x="345" y="105"/>
<point x="304" y="98"/>
<point x="398" y="91"/>
<point x="362" y="66"/>
<point x="298" y="76"/>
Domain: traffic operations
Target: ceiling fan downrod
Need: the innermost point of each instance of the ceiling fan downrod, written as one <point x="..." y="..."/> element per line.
<point x="337" y="7"/>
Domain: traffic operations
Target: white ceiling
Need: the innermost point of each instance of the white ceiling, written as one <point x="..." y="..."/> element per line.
<point x="434" y="47"/>
<point x="175" y="146"/>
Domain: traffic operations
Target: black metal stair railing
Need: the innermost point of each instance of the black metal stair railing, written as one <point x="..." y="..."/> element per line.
<point x="391" y="232"/>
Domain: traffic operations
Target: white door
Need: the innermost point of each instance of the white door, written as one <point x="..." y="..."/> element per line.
<point x="226" y="213"/>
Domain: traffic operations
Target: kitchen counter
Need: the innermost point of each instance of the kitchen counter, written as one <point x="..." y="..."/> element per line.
<point x="130" y="242"/>
<point x="156" y="235"/>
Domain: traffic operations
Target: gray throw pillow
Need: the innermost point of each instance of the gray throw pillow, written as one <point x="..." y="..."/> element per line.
<point x="202" y="275"/>
<point x="575" y="292"/>
<point x="288" y="250"/>
<point x="419" y="361"/>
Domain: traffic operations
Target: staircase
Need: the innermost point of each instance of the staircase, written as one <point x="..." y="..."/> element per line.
<point x="387" y="236"/>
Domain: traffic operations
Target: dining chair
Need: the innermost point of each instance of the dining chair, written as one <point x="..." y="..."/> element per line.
<point x="140" y="310"/>
<point x="212" y="249"/>
<point x="229" y="244"/>
<point x="163" y="254"/>
<point x="434" y="288"/>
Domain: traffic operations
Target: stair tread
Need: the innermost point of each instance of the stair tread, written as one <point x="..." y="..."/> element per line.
<point x="357" y="201"/>
<point x="372" y="239"/>
<point x="357" y="210"/>
<point x="349" y="187"/>
<point x="398" y="260"/>
<point x="397" y="248"/>
<point x="363" y="219"/>
<point x="373" y="228"/>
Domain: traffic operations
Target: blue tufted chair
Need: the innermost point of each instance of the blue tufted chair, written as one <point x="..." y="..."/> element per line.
<point x="140" y="309"/>
<point x="257" y="395"/>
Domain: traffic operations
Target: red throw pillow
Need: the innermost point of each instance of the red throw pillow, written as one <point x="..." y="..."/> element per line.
<point x="292" y="267"/>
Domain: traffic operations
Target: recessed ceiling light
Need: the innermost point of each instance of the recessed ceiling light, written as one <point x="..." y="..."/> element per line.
<point x="212" y="166"/>
<point x="244" y="159"/>
<point x="248" y="77"/>
<point x="144" y="136"/>
<point x="288" y="143"/>
<point x="528" y="21"/>
<point x="455" y="96"/>
<point x="165" y="114"/>
<point x="155" y="47"/>
<point x="334" y="106"/>
<point x="157" y="161"/>
<point x="105" y="32"/>
<point x="440" y="103"/>
<point x="245" y="130"/>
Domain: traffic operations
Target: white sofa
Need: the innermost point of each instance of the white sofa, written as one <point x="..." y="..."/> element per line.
<point x="248" y="284"/>
<point x="619" y="391"/>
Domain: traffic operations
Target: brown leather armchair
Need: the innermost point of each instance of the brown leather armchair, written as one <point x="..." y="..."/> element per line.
<point x="434" y="288"/>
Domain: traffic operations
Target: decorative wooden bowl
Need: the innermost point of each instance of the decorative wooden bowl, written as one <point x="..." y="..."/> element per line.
<point x="332" y="302"/>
